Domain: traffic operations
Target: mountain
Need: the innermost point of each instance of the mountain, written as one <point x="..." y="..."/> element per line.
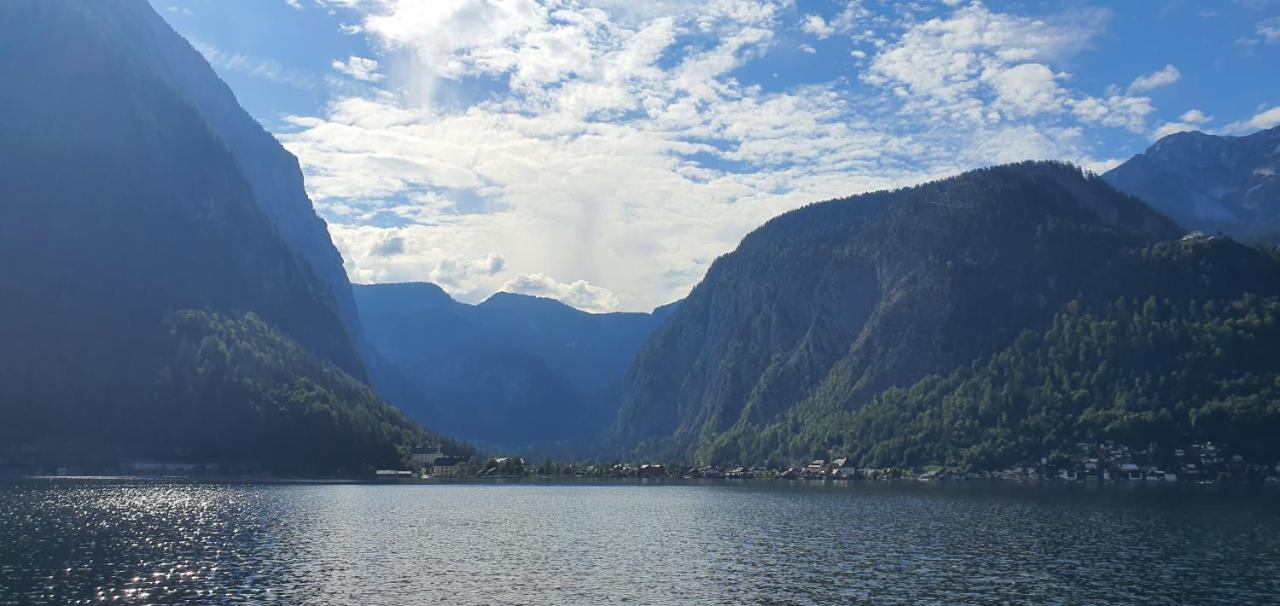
<point x="123" y="208"/>
<point x="512" y="370"/>
<point x="1209" y="182"/>
<point x="271" y="172"/>
<point x="1190" y="357"/>
<point x="826" y="307"/>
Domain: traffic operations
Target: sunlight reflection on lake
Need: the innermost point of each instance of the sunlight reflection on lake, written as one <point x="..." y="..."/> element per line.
<point x="136" y="542"/>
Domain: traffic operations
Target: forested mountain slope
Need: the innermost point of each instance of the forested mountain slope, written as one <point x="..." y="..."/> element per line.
<point x="1191" y="353"/>
<point x="841" y="300"/>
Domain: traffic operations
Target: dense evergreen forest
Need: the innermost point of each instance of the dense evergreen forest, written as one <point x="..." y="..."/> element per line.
<point x="1134" y="372"/>
<point x="234" y="389"/>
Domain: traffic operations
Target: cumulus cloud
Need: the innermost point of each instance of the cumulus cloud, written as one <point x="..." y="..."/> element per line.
<point x="1264" y="119"/>
<point x="817" y="26"/>
<point x="842" y="22"/>
<point x="411" y="253"/>
<point x="580" y="294"/>
<point x="388" y="245"/>
<point x="617" y="145"/>
<point x="1192" y="119"/>
<point x="940" y="60"/>
<point x="359" y="68"/>
<point x="1161" y="77"/>
<point x="976" y="66"/>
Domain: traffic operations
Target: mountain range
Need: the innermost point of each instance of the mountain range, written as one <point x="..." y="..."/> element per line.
<point x="174" y="296"/>
<point x="514" y="370"/>
<point x="1212" y="183"/>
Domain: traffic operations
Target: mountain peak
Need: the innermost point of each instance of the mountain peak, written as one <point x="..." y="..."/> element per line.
<point x="1210" y="182"/>
<point x="512" y="300"/>
<point x="848" y="297"/>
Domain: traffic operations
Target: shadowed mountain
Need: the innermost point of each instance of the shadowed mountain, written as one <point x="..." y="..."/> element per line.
<point x="511" y="370"/>
<point x="1209" y="182"/>
<point x="124" y="207"/>
<point x="271" y="172"/>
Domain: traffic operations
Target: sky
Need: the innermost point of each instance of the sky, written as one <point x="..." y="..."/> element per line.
<point x="605" y="152"/>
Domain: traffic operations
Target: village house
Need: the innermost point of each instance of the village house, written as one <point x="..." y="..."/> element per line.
<point x="711" y="472"/>
<point x="446" y="467"/>
<point x="844" y="469"/>
<point x="426" y="457"/>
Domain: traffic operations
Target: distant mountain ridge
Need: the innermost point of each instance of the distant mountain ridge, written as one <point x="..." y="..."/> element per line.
<point x="1210" y="182"/>
<point x="513" y="369"/>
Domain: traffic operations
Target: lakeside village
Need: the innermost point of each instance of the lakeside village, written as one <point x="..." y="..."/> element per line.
<point x="1105" y="462"/>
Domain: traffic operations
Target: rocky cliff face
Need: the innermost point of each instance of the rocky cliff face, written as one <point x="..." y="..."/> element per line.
<point x="272" y="173"/>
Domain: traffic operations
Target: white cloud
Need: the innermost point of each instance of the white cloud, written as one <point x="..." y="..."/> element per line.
<point x="805" y="48"/>
<point x="359" y="68"/>
<point x="1117" y="111"/>
<point x="1025" y="89"/>
<point x="1269" y="30"/>
<point x="1262" y="120"/>
<point x="294" y="4"/>
<point x="1190" y="120"/>
<point x="411" y="253"/>
<point x="940" y="60"/>
<point x="842" y="23"/>
<point x="978" y="67"/>
<point x="1161" y="77"/>
<point x="1195" y="116"/>
<point x="616" y="145"/>
<point x="580" y="294"/>
<point x="265" y="68"/>
<point x="817" y="26"/>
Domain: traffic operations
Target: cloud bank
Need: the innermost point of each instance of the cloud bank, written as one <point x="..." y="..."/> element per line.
<point x="608" y="151"/>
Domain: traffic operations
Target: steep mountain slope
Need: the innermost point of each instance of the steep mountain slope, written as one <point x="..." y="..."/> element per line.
<point x="296" y="411"/>
<point x="1211" y="183"/>
<point x="514" y="369"/>
<point x="271" y="172"/>
<point x="120" y="208"/>
<point x="840" y="300"/>
<point x="1190" y="352"/>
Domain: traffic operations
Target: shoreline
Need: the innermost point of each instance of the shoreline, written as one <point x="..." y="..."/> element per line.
<point x="638" y="482"/>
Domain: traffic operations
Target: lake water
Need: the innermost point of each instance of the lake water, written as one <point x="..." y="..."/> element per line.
<point x="136" y="542"/>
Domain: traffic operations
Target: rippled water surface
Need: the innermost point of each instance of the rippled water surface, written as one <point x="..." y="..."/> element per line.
<point x="134" y="542"/>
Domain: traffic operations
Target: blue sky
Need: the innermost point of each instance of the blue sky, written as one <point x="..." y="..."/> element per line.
<point x="605" y="152"/>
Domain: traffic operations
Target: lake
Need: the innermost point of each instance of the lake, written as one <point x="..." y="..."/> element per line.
<point x="66" y="541"/>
